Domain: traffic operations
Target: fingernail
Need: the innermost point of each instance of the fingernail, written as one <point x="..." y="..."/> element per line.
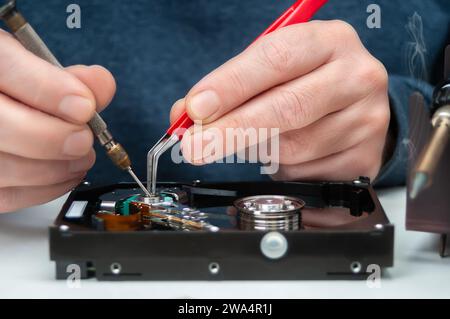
<point x="78" y="143"/>
<point x="204" y="104"/>
<point x="81" y="165"/>
<point x="193" y="147"/>
<point x="76" y="108"/>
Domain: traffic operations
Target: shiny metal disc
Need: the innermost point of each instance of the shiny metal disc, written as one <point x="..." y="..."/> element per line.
<point x="269" y="212"/>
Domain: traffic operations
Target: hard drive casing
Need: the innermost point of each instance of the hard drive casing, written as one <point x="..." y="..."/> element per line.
<point x="349" y="251"/>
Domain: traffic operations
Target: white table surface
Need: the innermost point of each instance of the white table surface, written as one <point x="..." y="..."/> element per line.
<point x="27" y="272"/>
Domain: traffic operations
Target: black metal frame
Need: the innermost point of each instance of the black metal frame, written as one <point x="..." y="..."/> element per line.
<point x="235" y="254"/>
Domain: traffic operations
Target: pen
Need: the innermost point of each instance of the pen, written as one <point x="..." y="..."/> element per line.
<point x="301" y="11"/>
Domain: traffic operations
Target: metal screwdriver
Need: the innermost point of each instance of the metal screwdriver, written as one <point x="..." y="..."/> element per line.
<point x="28" y="37"/>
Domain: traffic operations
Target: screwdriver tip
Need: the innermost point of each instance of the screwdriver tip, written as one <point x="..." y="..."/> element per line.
<point x="418" y="185"/>
<point x="136" y="179"/>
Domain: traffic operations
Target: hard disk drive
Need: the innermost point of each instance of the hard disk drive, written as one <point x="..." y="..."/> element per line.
<point x="223" y="231"/>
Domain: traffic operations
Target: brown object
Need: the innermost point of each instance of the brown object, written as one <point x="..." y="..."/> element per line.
<point x="430" y="210"/>
<point x="117" y="222"/>
<point x="119" y="156"/>
<point x="158" y="215"/>
<point x="429" y="160"/>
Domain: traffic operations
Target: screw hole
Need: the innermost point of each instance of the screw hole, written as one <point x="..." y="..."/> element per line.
<point x="116" y="268"/>
<point x="214" y="268"/>
<point x="355" y="267"/>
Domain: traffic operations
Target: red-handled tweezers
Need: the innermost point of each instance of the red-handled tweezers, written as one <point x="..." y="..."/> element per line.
<point x="299" y="12"/>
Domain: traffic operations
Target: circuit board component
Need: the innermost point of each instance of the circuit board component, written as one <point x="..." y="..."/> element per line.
<point x="142" y="213"/>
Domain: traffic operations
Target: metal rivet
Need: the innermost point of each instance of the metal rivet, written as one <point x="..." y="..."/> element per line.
<point x="214" y="228"/>
<point x="355" y="267"/>
<point x="64" y="228"/>
<point x="214" y="268"/>
<point x="116" y="268"/>
<point x="274" y="245"/>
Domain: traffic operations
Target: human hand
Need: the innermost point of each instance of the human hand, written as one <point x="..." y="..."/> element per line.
<point x="45" y="144"/>
<point x="318" y="84"/>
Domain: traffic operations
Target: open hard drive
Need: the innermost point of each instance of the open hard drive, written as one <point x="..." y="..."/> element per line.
<point x="223" y="231"/>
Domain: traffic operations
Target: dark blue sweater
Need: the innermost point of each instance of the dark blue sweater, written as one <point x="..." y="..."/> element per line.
<point x="158" y="49"/>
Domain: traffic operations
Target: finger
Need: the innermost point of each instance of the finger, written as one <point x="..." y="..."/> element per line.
<point x="14" y="198"/>
<point x="274" y="59"/>
<point x="35" y="82"/>
<point x="33" y="134"/>
<point x="361" y="160"/>
<point x="99" y="80"/>
<point x="177" y="109"/>
<point x="19" y="171"/>
<point x="5" y="33"/>
<point x="334" y="133"/>
<point x="288" y="107"/>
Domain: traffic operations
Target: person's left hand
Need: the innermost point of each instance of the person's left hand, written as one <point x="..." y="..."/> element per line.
<point x="318" y="84"/>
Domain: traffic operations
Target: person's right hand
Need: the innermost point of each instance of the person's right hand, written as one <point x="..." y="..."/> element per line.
<point x="45" y="144"/>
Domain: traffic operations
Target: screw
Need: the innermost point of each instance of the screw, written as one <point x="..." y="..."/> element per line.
<point x="64" y="228"/>
<point x="274" y="245"/>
